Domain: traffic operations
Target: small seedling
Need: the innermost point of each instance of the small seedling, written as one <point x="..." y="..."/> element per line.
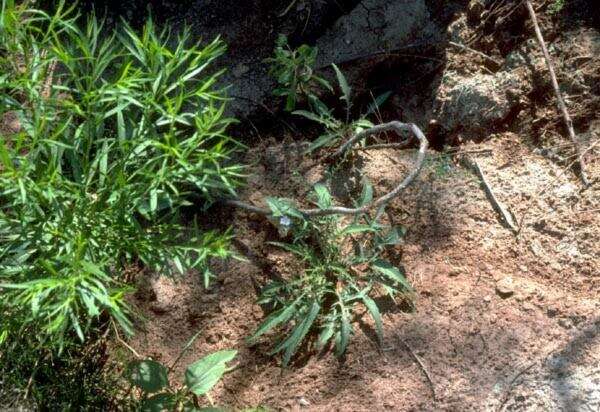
<point x="152" y="378"/>
<point x="294" y="71"/>
<point x="337" y="130"/>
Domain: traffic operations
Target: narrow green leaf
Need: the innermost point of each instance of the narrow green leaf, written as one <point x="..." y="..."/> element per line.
<point x="299" y="333"/>
<point x="392" y="272"/>
<point x="356" y="228"/>
<point x="276" y="318"/>
<point x="366" y="195"/>
<point x="325" y="335"/>
<point x="378" y="102"/>
<point x="346" y="91"/>
<point x="323" y="196"/>
<point x="374" y="311"/>
<point x="343" y="336"/>
<point x="281" y="207"/>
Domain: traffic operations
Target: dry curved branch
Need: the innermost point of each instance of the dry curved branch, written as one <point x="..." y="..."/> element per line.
<point x="377" y="203"/>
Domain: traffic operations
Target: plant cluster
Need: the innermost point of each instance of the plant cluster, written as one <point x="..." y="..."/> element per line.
<point x="117" y="131"/>
<point x="342" y="267"/>
<point x="556" y="6"/>
<point x="294" y="71"/>
<point x="341" y="262"/>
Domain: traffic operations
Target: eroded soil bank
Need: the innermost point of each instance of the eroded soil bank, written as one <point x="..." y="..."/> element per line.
<point x="502" y="321"/>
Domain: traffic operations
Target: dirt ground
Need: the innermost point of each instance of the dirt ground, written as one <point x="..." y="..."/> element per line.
<point x="502" y="320"/>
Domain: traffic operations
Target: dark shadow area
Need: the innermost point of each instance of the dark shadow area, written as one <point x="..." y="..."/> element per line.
<point x="578" y="13"/>
<point x="561" y="365"/>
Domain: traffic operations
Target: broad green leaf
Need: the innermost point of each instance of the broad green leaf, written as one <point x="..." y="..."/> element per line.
<point x="391" y="272"/>
<point x="203" y="374"/>
<point x="281" y="207"/>
<point x="160" y="403"/>
<point x="148" y="375"/>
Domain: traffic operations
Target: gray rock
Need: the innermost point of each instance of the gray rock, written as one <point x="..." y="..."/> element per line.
<point x="375" y="26"/>
<point x="473" y="104"/>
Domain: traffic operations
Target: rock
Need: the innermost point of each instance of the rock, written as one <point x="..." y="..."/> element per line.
<point x="565" y="323"/>
<point x="472" y="105"/>
<point x="505" y="287"/>
<point x="528" y="307"/>
<point x="302" y="401"/>
<point x="377" y="25"/>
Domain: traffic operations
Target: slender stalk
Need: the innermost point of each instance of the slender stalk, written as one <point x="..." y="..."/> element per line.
<point x="559" y="99"/>
<point x="376" y="204"/>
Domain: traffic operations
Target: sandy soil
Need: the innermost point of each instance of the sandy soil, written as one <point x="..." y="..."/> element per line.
<point x="502" y="320"/>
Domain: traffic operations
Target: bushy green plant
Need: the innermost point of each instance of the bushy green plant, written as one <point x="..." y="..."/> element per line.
<point x="117" y="131"/>
<point x="342" y="267"/>
<point x="294" y="71"/>
<point x="152" y="378"/>
<point x="335" y="129"/>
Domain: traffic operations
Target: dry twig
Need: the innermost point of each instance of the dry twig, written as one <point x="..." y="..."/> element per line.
<point x="559" y="99"/>
<point x="511" y="383"/>
<point x="122" y="342"/>
<point x="421" y="365"/>
<point x="477" y="52"/>
<point x="378" y="203"/>
<point x="507" y="218"/>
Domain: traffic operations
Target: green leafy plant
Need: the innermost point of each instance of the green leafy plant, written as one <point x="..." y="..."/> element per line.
<point x="335" y="129"/>
<point x="294" y="71"/>
<point x="117" y="132"/>
<point x="341" y="267"/>
<point x="556" y="6"/>
<point x="152" y="378"/>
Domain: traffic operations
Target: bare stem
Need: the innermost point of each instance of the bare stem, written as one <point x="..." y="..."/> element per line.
<point x="380" y="202"/>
